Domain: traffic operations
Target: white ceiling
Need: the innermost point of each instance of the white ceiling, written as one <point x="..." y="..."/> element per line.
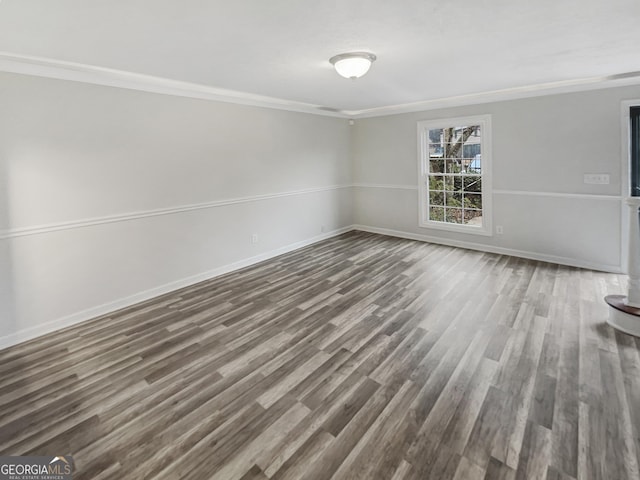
<point x="426" y="49"/>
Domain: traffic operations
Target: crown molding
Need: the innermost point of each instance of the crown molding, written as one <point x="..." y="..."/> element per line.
<point x="515" y="93"/>
<point x="79" y="72"/>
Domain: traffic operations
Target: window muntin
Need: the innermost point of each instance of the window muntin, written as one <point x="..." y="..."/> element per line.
<point x="454" y="162"/>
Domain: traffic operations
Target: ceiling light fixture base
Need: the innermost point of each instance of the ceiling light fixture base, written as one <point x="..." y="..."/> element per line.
<point x="353" y="64"/>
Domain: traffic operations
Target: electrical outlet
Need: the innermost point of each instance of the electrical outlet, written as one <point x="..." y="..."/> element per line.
<point x="596" y="178"/>
<point x="254" y="238"/>
<point x="499" y="230"/>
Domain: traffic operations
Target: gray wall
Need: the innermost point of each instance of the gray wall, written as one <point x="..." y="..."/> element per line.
<point x="94" y="182"/>
<point x="542" y="147"/>
<point x="109" y="196"/>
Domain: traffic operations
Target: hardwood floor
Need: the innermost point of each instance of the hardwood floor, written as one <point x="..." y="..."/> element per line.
<point x="361" y="357"/>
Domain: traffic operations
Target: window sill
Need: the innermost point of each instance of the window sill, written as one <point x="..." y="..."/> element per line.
<point x="458" y="228"/>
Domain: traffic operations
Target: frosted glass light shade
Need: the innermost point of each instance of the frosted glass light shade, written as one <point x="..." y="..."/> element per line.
<point x="352" y="65"/>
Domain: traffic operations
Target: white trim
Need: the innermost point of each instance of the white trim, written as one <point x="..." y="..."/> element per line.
<point x="67" y="321"/>
<point x="104" y="309"/>
<point x="80" y="72"/>
<point x="423" y="169"/>
<point x="87" y="222"/>
<point x="515" y="93"/>
<point x="572" y="262"/>
<point x="54" y="227"/>
<point x="625" y="175"/>
<point x="589" y="196"/>
<point x="625" y="322"/>
<point x="383" y="185"/>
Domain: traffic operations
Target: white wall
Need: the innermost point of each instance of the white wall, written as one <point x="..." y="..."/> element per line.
<point x="542" y="147"/>
<point x="94" y="182"/>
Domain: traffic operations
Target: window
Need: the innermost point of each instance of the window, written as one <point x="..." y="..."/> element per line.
<point x="455" y="182"/>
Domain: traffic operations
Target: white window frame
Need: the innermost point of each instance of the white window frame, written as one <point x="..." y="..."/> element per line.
<point x="423" y="173"/>
<point x="625" y="180"/>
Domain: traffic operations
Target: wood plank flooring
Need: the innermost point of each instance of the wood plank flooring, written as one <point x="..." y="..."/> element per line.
<point x="361" y="357"/>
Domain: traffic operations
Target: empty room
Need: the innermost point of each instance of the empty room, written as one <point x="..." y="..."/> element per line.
<point x="299" y="240"/>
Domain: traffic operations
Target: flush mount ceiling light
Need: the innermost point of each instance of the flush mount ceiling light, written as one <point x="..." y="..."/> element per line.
<point x="352" y="65"/>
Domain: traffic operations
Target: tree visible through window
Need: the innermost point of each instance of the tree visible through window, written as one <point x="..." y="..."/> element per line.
<point x="454" y="160"/>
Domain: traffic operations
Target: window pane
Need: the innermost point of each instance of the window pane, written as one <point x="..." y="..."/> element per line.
<point x="472" y="183"/>
<point x="436" y="182"/>
<point x="470" y="151"/>
<point x="436" y="150"/>
<point x="472" y="134"/>
<point x="473" y="217"/>
<point x="436" y="214"/>
<point x="435" y="135"/>
<point x="454" y="215"/>
<point x="452" y="166"/>
<point x="436" y="166"/>
<point x="448" y="135"/>
<point x="450" y="182"/>
<point x="455" y="183"/>
<point x="475" y="164"/>
<point x="436" y="198"/>
<point x="454" y="199"/>
<point x="473" y="200"/>
<point x="453" y="150"/>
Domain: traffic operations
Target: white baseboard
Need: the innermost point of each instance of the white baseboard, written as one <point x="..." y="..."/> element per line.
<point x="60" y="323"/>
<point x="78" y="317"/>
<point x="571" y="262"/>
